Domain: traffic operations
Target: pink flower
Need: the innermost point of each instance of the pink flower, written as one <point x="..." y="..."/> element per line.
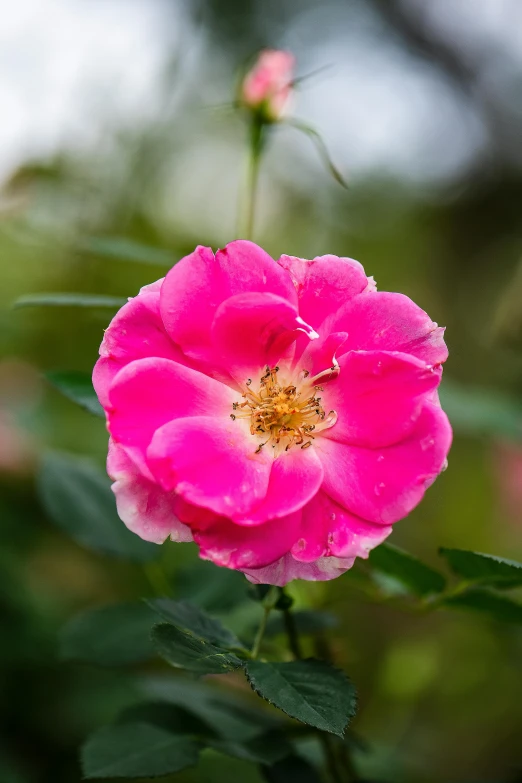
<point x="268" y="86"/>
<point x="282" y="414"/>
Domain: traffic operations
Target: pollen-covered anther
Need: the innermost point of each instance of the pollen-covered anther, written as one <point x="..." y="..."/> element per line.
<point x="283" y="414"/>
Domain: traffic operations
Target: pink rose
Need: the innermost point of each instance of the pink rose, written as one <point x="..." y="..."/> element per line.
<point x="282" y="414"/>
<point x="268" y="85"/>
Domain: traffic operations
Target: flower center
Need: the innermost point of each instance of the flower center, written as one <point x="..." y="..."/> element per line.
<point x="284" y="414"/>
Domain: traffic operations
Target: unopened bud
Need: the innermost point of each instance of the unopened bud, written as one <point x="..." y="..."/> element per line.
<point x="267" y="87"/>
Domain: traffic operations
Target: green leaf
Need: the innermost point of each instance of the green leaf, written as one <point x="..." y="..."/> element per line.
<point x="70" y="300"/>
<point x="307" y="623"/>
<point x="231" y="715"/>
<point x="497" y="606"/>
<point x="136" y="750"/>
<point x="76" y="386"/>
<point x="124" y="249"/>
<point x="77" y="497"/>
<point x="291" y="770"/>
<point x="312" y="691"/>
<point x="215" y="589"/>
<point x="412" y="574"/>
<point x="111" y="636"/>
<point x="186" y="651"/>
<point x="190" y="618"/>
<point x="265" y="749"/>
<point x="486" y="569"/>
<point x="173" y="718"/>
<point x="321" y="147"/>
<point x="476" y="411"/>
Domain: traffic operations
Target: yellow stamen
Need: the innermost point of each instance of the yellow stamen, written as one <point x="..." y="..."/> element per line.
<point x="284" y="415"/>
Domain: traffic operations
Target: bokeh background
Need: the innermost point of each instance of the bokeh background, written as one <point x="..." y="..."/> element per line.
<point x="116" y="125"/>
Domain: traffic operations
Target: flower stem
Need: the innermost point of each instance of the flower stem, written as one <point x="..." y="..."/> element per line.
<point x="339" y="765"/>
<point x="255" y="148"/>
<point x="260" y="632"/>
<point x="291" y="632"/>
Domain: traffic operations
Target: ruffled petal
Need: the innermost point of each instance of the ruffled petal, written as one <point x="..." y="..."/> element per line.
<point x="239" y="547"/>
<point x="148" y="393"/>
<point x="319" y="355"/>
<point x="195" y="287"/>
<point x="378" y="397"/>
<point x="328" y="529"/>
<point x="247" y="267"/>
<point x="288" y="568"/>
<point x="324" y="283"/>
<point x="210" y="463"/>
<point x="135" y="332"/>
<point x="385" y="321"/>
<point x="142" y="505"/>
<point x="295" y="477"/>
<point x="384" y="485"/>
<point x="253" y="330"/>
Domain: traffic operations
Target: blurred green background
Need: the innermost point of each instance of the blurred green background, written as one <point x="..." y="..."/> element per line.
<point x="117" y="128"/>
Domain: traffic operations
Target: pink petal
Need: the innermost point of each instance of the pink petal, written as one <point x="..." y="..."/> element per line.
<point x="384" y="485"/>
<point x="236" y="546"/>
<point x="328" y="529"/>
<point x="378" y="397"/>
<point x="323" y="284"/>
<point x="389" y="322"/>
<point x="288" y="568"/>
<point x="211" y="462"/>
<point x="152" y="288"/>
<point x="247" y="267"/>
<point x="196" y="286"/>
<point x="148" y="393"/>
<point x="253" y="330"/>
<point x="143" y="506"/>
<point x="295" y="478"/>
<point x="319" y="355"/>
<point x="135" y="332"/>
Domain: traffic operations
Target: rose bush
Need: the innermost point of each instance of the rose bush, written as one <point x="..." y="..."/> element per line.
<point x="282" y="414"/>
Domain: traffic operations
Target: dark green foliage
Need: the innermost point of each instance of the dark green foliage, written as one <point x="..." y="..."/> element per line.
<point x="486" y="569"/>
<point x="173" y="718"/>
<point x="416" y="577"/>
<point x="264" y="749"/>
<point x="311" y="691"/>
<point x="231" y="715"/>
<point x="292" y="769"/>
<point x="78" y="498"/>
<point x="496" y="606"/>
<point x="190" y="618"/>
<point x="61" y="299"/>
<point x="307" y="623"/>
<point x="186" y="651"/>
<point x="124" y="249"/>
<point x="110" y="636"/>
<point x="137" y="750"/>
<point x="76" y="386"/>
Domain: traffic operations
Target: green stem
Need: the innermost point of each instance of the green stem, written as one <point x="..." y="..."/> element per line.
<point x="291" y="632"/>
<point x="254" y="158"/>
<point x="339" y="765"/>
<point x="330" y="755"/>
<point x="260" y="632"/>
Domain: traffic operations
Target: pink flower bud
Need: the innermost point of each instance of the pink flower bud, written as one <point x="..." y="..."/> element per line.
<point x="268" y="85"/>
